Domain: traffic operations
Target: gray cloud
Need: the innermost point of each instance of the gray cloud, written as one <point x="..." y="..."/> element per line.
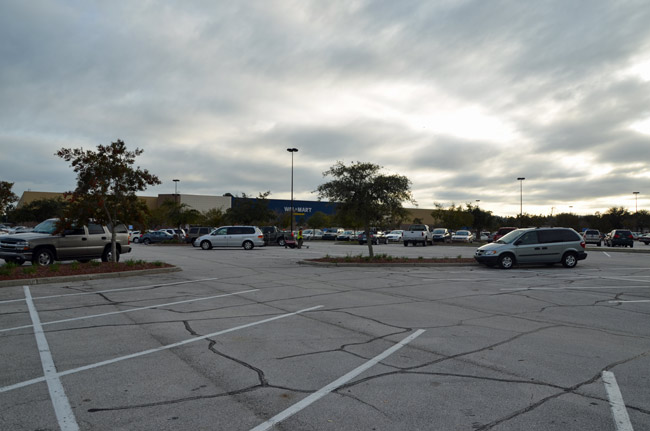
<point x="215" y="92"/>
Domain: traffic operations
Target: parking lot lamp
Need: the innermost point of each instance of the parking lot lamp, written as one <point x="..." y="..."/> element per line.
<point x="521" y="198"/>
<point x="176" y="190"/>
<point x="636" y="201"/>
<point x="292" y="150"/>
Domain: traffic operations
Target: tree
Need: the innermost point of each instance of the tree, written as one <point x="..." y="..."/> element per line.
<point x="213" y="217"/>
<point x="37" y="211"/>
<point x="364" y="194"/>
<point x="106" y="187"/>
<point x="180" y="214"/>
<point x="318" y="220"/>
<point x="250" y="211"/>
<point x="7" y="197"/>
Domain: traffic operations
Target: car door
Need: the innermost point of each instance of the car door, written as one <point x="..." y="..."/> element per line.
<point x="235" y="236"/>
<point x="552" y="242"/>
<point x="72" y="244"/>
<point x="219" y="238"/>
<point x="97" y="238"/>
<point x="528" y="249"/>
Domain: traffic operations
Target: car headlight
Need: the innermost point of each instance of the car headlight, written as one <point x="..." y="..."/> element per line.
<point x="23" y="245"/>
<point x="490" y="253"/>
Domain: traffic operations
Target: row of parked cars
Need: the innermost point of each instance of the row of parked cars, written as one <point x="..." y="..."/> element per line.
<point x="615" y="238"/>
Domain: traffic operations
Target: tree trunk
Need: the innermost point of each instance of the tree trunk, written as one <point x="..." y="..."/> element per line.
<point x="369" y="239"/>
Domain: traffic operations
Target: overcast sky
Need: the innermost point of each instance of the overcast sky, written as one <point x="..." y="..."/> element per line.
<point x="460" y="96"/>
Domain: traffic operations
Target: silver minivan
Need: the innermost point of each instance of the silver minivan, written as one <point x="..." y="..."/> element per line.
<point x="247" y="237"/>
<point x="535" y="245"/>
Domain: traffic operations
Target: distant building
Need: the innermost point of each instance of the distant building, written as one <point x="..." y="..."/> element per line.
<point x="302" y="209"/>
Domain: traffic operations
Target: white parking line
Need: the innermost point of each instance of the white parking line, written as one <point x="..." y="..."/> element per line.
<point x="334" y="385"/>
<point x="626" y="302"/>
<point x="606" y="254"/>
<point x="92" y="316"/>
<point x="621" y="418"/>
<point x="514" y="289"/>
<point x="110" y="290"/>
<point x="62" y="408"/>
<point x="155" y="350"/>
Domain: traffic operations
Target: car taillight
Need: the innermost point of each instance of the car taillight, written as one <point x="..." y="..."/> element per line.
<point x="631" y="237"/>
<point x="260" y="236"/>
<point x="616" y="236"/>
<point x="583" y="244"/>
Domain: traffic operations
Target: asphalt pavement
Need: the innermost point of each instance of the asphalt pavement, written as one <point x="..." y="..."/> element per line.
<point x="251" y="340"/>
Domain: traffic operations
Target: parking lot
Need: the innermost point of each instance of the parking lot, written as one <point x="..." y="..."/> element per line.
<point x="251" y="340"/>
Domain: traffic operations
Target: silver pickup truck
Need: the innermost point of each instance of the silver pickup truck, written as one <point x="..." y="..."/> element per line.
<point x="42" y="247"/>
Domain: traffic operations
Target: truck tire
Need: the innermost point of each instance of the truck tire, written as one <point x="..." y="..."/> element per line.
<point x="281" y="242"/>
<point x="43" y="257"/>
<point x="107" y="255"/>
<point x="406" y="243"/>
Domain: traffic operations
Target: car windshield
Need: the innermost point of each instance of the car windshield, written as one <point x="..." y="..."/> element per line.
<point x="462" y="233"/>
<point x="439" y="231"/>
<point x="509" y="237"/>
<point x="48" y="226"/>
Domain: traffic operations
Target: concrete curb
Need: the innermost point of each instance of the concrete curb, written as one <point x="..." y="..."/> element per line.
<point x="82" y="277"/>
<point x="388" y="264"/>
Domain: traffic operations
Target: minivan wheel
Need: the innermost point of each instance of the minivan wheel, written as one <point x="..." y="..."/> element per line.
<point x="506" y="261"/>
<point x="206" y="245"/>
<point x="248" y="245"/>
<point x="569" y="260"/>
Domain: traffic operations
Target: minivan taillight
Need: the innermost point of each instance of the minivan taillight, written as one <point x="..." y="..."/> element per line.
<point x="583" y="244"/>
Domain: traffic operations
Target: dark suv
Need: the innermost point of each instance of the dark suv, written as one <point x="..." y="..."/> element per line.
<point x="197" y="231"/>
<point x="620" y="237"/>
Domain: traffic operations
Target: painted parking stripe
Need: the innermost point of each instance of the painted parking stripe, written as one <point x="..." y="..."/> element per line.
<point x="606" y="254"/>
<point x="514" y="289"/>
<point x="92" y="316"/>
<point x="621" y="418"/>
<point x="110" y="290"/>
<point x="335" y="384"/>
<point x="627" y="302"/>
<point x="155" y="350"/>
<point x="60" y="402"/>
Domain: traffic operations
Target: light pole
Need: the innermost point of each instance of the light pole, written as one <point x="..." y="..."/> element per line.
<point x="292" y="150"/>
<point x="521" y="198"/>
<point x="636" y="201"/>
<point x="176" y="190"/>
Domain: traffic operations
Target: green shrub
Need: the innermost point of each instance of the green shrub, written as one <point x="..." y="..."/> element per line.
<point x="29" y="270"/>
<point x="74" y="265"/>
<point x="55" y="267"/>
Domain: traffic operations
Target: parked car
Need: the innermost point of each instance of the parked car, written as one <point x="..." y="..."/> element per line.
<point x="501" y="232"/>
<point x="534" y="245"/>
<point x="441" y="234"/>
<point x="417" y="234"/>
<point x="155" y="237"/>
<point x="645" y="238"/>
<point x="619" y="237"/>
<point x="485" y="236"/>
<point x="463" y="236"/>
<point x="376" y="238"/>
<point x="592" y="236"/>
<point x="395" y="235"/>
<point x="247" y="237"/>
<point x="331" y="233"/>
<point x="347" y="235"/>
<point x="42" y="246"/>
<point x="310" y="234"/>
<point x="196" y="231"/>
